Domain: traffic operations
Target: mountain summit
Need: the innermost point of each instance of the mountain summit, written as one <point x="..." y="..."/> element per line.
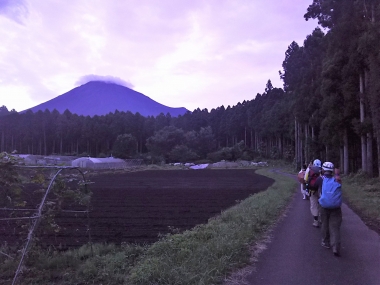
<point x="100" y="98"/>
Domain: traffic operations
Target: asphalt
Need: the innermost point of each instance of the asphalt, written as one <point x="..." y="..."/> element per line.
<point x="295" y="255"/>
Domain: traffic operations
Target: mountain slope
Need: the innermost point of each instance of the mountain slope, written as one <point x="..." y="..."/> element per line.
<point x="101" y="98"/>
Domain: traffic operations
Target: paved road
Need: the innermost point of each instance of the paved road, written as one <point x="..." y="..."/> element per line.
<point x="295" y="255"/>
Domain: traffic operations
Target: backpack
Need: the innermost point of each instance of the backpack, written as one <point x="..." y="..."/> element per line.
<point x="331" y="197"/>
<point x="301" y="176"/>
<point x="314" y="173"/>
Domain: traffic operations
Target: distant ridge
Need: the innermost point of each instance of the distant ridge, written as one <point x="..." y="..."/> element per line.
<point x="100" y="98"/>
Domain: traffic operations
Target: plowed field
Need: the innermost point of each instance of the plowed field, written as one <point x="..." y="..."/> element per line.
<point x="139" y="206"/>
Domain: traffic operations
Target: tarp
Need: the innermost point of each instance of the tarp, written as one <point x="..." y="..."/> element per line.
<point x="199" y="166"/>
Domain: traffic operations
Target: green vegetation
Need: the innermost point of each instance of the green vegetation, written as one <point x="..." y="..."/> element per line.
<point x="29" y="222"/>
<point x="96" y="264"/>
<point x="363" y="196"/>
<point x="125" y="146"/>
<point x="203" y="255"/>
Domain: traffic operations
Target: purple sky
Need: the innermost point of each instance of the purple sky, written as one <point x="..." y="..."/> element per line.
<point x="198" y="53"/>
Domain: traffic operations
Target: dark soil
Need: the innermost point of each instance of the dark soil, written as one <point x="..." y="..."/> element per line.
<point x="138" y="207"/>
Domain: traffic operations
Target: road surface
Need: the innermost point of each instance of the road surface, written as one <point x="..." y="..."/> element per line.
<point x="295" y="255"/>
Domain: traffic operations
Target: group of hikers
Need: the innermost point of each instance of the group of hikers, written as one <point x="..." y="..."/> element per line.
<point x="321" y="184"/>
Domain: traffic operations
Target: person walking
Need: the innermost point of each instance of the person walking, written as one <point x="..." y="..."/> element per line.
<point x="311" y="177"/>
<point x="301" y="179"/>
<point x="330" y="207"/>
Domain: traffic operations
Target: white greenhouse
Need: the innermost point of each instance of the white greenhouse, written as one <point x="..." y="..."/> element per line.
<point x="99" y="163"/>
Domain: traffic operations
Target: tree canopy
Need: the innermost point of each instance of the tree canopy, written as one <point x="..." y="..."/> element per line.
<point x="328" y="108"/>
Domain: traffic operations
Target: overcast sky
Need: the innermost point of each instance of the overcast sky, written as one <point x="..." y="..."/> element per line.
<point x="181" y="53"/>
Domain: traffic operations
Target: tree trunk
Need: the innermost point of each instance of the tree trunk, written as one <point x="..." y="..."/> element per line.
<point x="301" y="149"/>
<point x="2" y="141"/>
<point x="296" y="142"/>
<point x="307" y="147"/>
<point x="256" y="142"/>
<point x="363" y="137"/>
<point x="251" y="139"/>
<point x="369" y="154"/>
<point x="45" y="147"/>
<point x="345" y="153"/>
<point x="53" y="148"/>
<point x="378" y="151"/>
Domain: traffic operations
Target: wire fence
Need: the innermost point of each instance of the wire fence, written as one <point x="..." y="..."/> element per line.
<point x="9" y="215"/>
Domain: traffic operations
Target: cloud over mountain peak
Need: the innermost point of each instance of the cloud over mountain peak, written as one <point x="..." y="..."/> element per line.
<point x="108" y="79"/>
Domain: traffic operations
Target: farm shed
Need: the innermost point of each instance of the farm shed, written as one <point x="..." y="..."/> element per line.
<point x="99" y="163"/>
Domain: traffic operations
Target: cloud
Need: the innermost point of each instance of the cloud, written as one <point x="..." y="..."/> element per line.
<point x="179" y="53"/>
<point x="15" y="10"/>
<point x="109" y="79"/>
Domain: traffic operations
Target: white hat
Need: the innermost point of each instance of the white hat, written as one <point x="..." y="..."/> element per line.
<point x="328" y="166"/>
<point x="317" y="162"/>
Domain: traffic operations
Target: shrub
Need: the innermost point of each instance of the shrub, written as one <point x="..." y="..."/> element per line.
<point x="182" y="153"/>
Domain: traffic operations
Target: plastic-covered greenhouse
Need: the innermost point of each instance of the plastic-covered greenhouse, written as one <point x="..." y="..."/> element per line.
<point x="99" y="163"/>
<point x="30" y="159"/>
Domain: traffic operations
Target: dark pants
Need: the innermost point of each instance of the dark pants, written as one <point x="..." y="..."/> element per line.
<point x="331" y="220"/>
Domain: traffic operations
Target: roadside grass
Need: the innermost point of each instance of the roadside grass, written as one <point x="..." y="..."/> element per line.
<point x="210" y="252"/>
<point x="96" y="264"/>
<point x="362" y="194"/>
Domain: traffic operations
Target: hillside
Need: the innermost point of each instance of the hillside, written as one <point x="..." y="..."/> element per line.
<point x="101" y="98"/>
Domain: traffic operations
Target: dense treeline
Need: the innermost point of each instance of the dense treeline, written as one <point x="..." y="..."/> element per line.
<point x="193" y="136"/>
<point x="333" y="81"/>
<point x="329" y="108"/>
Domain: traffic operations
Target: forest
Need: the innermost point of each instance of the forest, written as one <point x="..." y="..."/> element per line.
<point x="328" y="108"/>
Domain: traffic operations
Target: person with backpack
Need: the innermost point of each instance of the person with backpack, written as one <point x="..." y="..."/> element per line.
<point x="311" y="177"/>
<point x="330" y="207"/>
<point x="301" y="180"/>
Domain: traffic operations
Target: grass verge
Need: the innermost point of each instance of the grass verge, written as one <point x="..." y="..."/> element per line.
<point x="207" y="254"/>
<point x="362" y="194"/>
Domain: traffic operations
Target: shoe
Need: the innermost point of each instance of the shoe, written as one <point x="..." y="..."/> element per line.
<point x="325" y="244"/>
<point x="336" y="251"/>
<point x="316" y="223"/>
<point x="304" y="198"/>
